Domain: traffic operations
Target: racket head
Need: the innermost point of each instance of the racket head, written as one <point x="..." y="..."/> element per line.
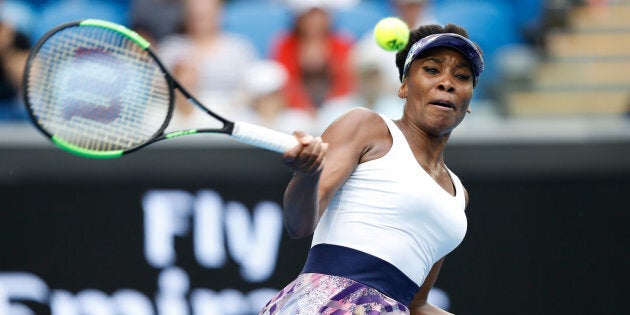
<point x="96" y="89"/>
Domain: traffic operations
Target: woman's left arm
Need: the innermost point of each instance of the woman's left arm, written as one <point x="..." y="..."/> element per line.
<point x="419" y="305"/>
<point x="429" y="309"/>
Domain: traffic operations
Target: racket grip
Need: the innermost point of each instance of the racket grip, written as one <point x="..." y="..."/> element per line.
<point x="263" y="137"/>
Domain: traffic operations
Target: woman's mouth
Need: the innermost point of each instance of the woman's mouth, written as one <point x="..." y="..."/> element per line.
<point x="443" y="104"/>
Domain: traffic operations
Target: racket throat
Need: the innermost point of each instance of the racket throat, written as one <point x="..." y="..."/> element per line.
<point x="228" y="127"/>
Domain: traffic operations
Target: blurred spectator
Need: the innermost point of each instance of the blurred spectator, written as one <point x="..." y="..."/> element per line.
<point x="207" y="61"/>
<point x="19" y="14"/>
<point x="412" y="12"/>
<point x="14" y="49"/>
<point x="316" y="58"/>
<point x="266" y="104"/>
<point x="155" y="19"/>
<point x="373" y="90"/>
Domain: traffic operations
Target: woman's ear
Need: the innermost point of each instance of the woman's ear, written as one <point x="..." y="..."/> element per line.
<point x="469" y="110"/>
<point x="402" y="90"/>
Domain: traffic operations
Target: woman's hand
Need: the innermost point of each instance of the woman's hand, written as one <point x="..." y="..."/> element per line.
<point x="308" y="156"/>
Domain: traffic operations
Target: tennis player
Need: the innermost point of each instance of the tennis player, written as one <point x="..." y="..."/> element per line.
<point x="377" y="194"/>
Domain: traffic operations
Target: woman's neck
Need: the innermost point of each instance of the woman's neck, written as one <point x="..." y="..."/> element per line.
<point x="428" y="149"/>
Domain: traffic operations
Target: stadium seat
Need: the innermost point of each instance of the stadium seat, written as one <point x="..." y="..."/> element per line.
<point x="260" y="21"/>
<point x="55" y="13"/>
<point x="358" y="20"/>
<point x="490" y="24"/>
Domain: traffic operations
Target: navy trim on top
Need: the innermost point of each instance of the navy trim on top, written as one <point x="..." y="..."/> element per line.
<point x="350" y="263"/>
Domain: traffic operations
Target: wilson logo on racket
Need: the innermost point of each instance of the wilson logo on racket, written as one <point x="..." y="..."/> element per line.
<point x="90" y="61"/>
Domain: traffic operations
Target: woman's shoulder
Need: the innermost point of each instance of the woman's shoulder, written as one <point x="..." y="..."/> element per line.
<point x="361" y="117"/>
<point x="373" y="131"/>
<point x="172" y="48"/>
<point x="236" y="39"/>
<point x="361" y="125"/>
<point x="175" y="40"/>
<point x="341" y="45"/>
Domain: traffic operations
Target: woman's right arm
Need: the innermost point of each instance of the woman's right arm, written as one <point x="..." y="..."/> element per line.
<point x="322" y="165"/>
<point x="300" y="198"/>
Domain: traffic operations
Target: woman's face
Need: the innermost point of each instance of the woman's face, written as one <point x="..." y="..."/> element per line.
<point x="438" y="90"/>
<point x="313" y="23"/>
<point x="202" y="16"/>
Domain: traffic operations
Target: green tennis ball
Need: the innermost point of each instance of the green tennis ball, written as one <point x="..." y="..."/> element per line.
<point x="391" y="34"/>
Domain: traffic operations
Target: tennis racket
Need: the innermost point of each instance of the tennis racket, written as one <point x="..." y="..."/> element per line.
<point x="97" y="90"/>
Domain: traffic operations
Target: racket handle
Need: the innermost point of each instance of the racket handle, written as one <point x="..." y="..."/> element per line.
<point x="263" y="137"/>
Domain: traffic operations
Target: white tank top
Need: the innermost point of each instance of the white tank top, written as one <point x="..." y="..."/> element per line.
<point x="392" y="209"/>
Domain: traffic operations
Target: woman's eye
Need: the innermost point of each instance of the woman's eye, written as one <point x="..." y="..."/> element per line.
<point x="463" y="77"/>
<point x="430" y="70"/>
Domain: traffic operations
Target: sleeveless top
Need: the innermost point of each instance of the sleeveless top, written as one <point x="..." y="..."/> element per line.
<point x="389" y="223"/>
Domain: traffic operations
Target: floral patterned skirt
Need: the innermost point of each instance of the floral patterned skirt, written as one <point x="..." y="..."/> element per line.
<point x="319" y="294"/>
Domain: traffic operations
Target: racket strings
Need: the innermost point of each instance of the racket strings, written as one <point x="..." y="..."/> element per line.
<point x="97" y="89"/>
